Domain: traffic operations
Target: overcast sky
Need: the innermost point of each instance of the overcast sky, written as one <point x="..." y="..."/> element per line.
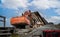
<point x="49" y="9"/>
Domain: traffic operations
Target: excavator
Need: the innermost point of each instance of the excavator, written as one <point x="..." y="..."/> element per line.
<point x="22" y="21"/>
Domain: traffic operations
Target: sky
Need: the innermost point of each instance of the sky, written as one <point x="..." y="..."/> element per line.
<point x="49" y="9"/>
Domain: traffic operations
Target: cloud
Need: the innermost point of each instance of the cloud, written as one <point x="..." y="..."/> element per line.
<point x="54" y="19"/>
<point x="8" y="22"/>
<point x="45" y="4"/>
<point x="57" y="11"/>
<point x="15" y="4"/>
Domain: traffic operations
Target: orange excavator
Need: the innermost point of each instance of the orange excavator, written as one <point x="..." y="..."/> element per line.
<point x="21" y="21"/>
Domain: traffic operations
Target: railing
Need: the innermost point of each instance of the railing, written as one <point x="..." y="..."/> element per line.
<point x="5" y="31"/>
<point x="4" y="20"/>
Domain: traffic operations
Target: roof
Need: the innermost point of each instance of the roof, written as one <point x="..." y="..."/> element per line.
<point x="39" y="16"/>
